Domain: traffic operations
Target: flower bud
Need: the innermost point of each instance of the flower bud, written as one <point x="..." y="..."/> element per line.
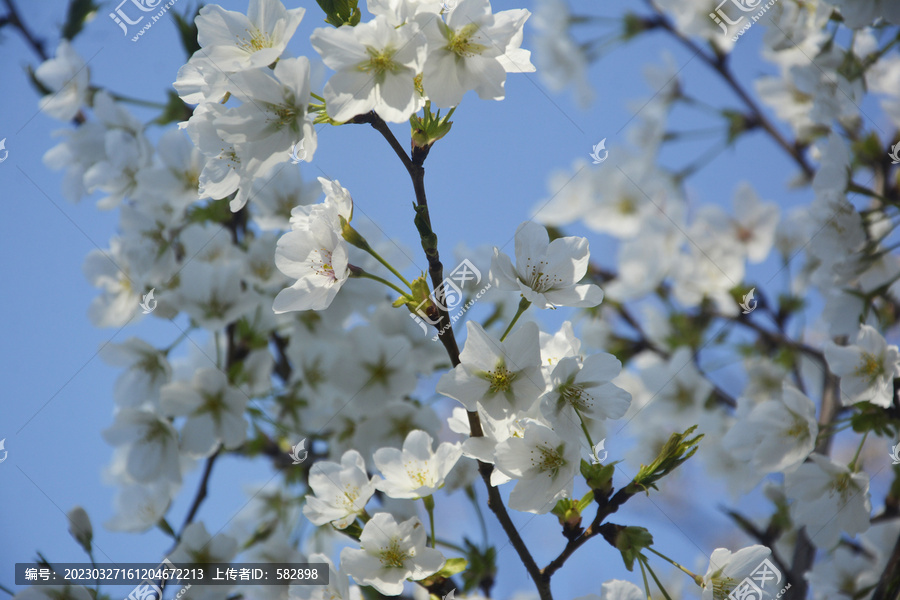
<point x="80" y="527"/>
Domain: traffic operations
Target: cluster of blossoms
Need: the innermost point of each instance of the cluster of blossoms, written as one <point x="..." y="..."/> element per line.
<point x="298" y="330"/>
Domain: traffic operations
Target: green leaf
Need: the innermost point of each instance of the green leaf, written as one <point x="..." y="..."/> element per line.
<point x="187" y="30"/>
<point x="78" y="13"/>
<point x="676" y="450"/>
<point x="340" y="12"/>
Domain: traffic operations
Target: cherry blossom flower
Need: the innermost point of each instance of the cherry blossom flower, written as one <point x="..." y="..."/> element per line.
<point x="318" y="260"/>
<point x="500" y="377"/>
<point x="152" y="445"/>
<point x="416" y="471"/>
<point x="582" y="390"/>
<point x="777" y="435"/>
<point x="340" y="491"/>
<point x="389" y="553"/>
<point x="147" y="371"/>
<point x="338" y="587"/>
<point x="828" y="499"/>
<point x="543" y="465"/>
<point x="547" y="273"/>
<point x="68" y="78"/>
<point x="376" y="64"/>
<point x="726" y="570"/>
<point x="867" y="368"/>
<point x="473" y="50"/>
<point x="214" y="411"/>
<point x="233" y="41"/>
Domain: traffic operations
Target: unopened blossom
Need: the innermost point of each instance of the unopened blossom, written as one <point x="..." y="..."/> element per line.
<point x="214" y="411"/>
<point x="376" y="65"/>
<point x="233" y="41"/>
<point x="542" y="463"/>
<point x="340" y="491"/>
<point x="389" y="553"/>
<point x="80" y="527"/>
<point x="500" y="377"/>
<point x="867" y="368"/>
<point x="473" y="50"/>
<point x="829" y="499"/>
<point x="418" y="470"/>
<point x="67" y="77"/>
<point x="546" y="273"/>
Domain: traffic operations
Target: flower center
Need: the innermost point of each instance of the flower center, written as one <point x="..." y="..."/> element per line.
<point x="536" y="279"/>
<point x="501" y="379"/>
<point x="869" y="367"/>
<point x="547" y="459"/>
<point x="323" y="266"/>
<point x="380" y="61"/>
<point x="257" y="41"/>
<point x="417" y="474"/>
<point x="575" y="396"/>
<point x="461" y="44"/>
<point x="392" y="556"/>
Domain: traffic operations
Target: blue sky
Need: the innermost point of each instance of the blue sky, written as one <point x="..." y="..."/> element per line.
<point x="483" y="180"/>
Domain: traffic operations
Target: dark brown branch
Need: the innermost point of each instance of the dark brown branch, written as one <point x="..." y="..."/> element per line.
<point x="13" y="18"/>
<point x="718" y="64"/>
<point x="201" y="492"/>
<point x="888" y="587"/>
<point x="448" y="339"/>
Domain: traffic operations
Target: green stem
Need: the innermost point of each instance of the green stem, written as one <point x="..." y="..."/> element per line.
<point x="357" y="272"/>
<point x="852" y="465"/>
<point x="697" y="579"/>
<point x="646" y="583"/>
<point x="523" y="306"/>
<point x="388" y="266"/>
<point x="585" y="429"/>
<point x="659" y="584"/>
<point x="429" y="507"/>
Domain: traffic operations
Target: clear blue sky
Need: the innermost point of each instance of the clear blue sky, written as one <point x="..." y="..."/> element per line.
<point x="482" y="180"/>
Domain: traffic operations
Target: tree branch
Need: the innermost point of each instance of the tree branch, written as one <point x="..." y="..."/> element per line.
<point x="448" y="339"/>
<point x="15" y="20"/>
